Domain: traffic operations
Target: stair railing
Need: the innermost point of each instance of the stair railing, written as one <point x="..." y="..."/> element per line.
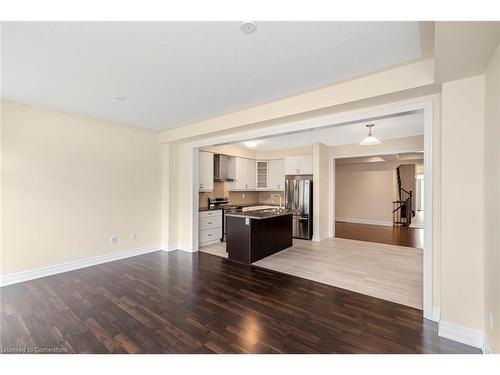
<point x="402" y="211"/>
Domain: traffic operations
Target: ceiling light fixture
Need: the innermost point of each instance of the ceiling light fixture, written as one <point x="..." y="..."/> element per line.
<point x="371" y="139"/>
<point x="251" y="144"/>
<point x="248" y="27"/>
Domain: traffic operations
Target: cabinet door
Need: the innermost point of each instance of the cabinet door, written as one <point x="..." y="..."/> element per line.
<point x="206" y="171"/>
<point x="262" y="174"/>
<point x="241" y="174"/>
<point x="292" y="165"/>
<point x="237" y="171"/>
<point x="250" y="180"/>
<point x="306" y="164"/>
<point x="276" y="172"/>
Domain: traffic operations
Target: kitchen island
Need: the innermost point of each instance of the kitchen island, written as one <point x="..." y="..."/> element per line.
<point x="253" y="235"/>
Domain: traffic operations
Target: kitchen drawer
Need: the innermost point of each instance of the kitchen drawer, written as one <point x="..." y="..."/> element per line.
<point x="210" y="213"/>
<point x="210" y="222"/>
<point x="210" y="235"/>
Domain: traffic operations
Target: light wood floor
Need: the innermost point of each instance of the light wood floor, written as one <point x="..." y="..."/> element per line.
<point x="215" y="249"/>
<point x="384" y="271"/>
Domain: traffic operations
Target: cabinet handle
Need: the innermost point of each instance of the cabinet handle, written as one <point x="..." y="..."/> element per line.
<point x="209" y="222"/>
<point x="209" y="235"/>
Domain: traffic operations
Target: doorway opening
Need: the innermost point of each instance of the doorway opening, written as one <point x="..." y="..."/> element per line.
<point x="328" y="199"/>
<point x="378" y="199"/>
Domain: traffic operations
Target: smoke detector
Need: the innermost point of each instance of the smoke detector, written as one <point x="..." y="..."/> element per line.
<point x="248" y="27"/>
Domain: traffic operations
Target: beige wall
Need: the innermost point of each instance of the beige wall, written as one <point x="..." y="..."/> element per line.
<point x="492" y="202"/>
<point x="364" y="191"/>
<point x="462" y="202"/>
<point x="69" y="183"/>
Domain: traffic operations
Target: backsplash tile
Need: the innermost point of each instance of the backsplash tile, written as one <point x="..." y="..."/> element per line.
<point x="221" y="189"/>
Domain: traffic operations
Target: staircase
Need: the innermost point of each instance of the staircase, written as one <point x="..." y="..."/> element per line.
<point x="402" y="211"/>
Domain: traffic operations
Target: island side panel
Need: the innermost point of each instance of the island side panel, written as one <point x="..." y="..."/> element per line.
<point x="270" y="236"/>
<point x="238" y="240"/>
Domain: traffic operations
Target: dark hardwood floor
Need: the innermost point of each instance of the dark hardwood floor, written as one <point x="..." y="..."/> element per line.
<point x="199" y="303"/>
<point x="399" y="236"/>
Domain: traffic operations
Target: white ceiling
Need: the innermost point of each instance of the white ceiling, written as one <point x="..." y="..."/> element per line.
<point x="388" y="128"/>
<point x="173" y="73"/>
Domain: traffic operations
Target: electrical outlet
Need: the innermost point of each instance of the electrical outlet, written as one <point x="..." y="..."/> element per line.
<point x="243" y="195"/>
<point x="492" y="320"/>
<point x="113" y="239"/>
<point x="133" y="236"/>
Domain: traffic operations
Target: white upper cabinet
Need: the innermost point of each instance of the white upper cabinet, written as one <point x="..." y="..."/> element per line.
<point x="243" y="173"/>
<point x="306" y="164"/>
<point x="250" y="182"/>
<point x="206" y="171"/>
<point x="299" y="164"/>
<point x="276" y="174"/>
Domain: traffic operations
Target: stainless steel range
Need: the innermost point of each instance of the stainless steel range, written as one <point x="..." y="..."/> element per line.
<point x="216" y="203"/>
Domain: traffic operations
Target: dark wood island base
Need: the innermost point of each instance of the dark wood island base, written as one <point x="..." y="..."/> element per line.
<point x="250" y="239"/>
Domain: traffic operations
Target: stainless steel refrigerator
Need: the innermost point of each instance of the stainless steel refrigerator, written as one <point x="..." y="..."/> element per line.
<point x="299" y="199"/>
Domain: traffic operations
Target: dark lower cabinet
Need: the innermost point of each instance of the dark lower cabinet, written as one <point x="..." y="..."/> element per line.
<point x="249" y="240"/>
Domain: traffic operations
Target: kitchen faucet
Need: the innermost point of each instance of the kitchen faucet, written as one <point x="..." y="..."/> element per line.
<point x="273" y="196"/>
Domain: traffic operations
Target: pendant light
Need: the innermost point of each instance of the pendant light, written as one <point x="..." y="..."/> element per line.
<point x="371" y="139"/>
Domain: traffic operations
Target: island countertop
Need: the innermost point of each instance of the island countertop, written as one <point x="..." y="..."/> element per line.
<point x="261" y="214"/>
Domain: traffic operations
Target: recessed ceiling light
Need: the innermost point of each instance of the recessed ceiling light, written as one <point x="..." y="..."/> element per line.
<point x="251" y="144"/>
<point x="248" y="27"/>
<point x="371" y="139"/>
<point x="122" y="98"/>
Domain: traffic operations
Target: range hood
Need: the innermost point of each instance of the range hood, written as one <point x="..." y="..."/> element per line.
<point x="221" y="168"/>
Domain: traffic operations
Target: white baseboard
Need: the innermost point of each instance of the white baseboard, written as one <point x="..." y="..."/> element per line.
<point x="169" y="247"/>
<point x="436" y="314"/>
<point x="318" y="239"/>
<point x="37" y="273"/>
<point x="184" y="247"/>
<point x="363" y="221"/>
<point x="461" y="334"/>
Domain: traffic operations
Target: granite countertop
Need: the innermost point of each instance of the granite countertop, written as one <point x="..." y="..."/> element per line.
<point x="201" y="209"/>
<point x="261" y="214"/>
